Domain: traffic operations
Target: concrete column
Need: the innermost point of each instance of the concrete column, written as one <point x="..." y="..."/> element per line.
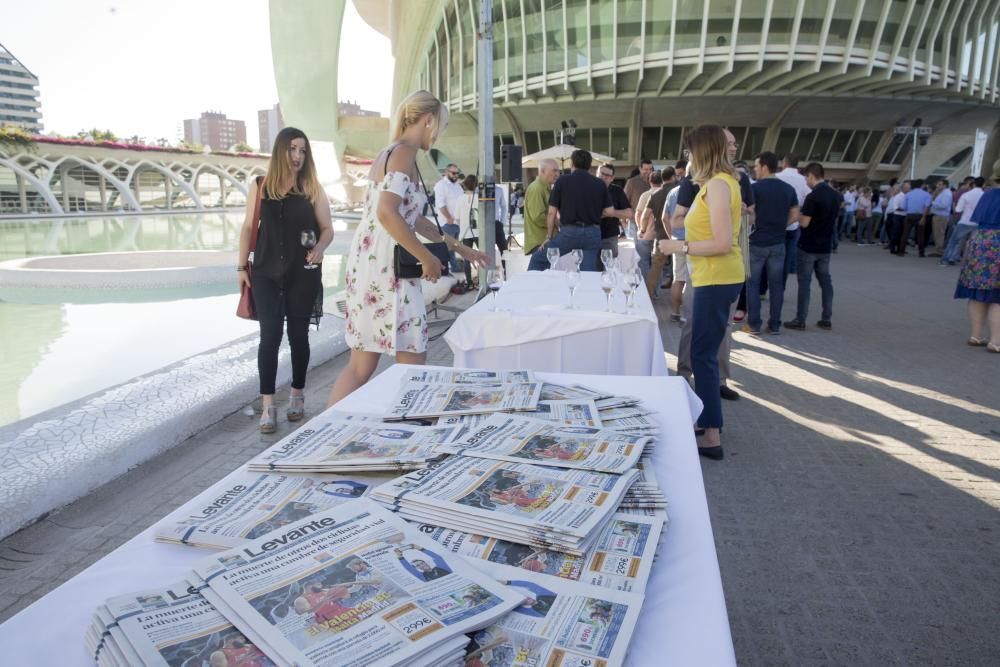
<point x="63" y="170"/>
<point x="880" y="148"/>
<point x="222" y="191"/>
<point x="135" y="185"/>
<point x="102" y="188"/>
<point x="168" y="189"/>
<point x="635" y="135"/>
<point x="22" y="192"/>
<point x="774" y="129"/>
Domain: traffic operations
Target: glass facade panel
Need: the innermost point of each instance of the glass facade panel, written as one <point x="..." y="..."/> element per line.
<point x="753" y="143"/>
<point x="630" y="27"/>
<point x="469" y="22"/>
<point x="619" y="143"/>
<point x="801" y="141"/>
<point x="822" y="145"/>
<point x="658" y="26"/>
<point x="852" y="149"/>
<point x="576" y="29"/>
<point x="813" y="14"/>
<point x="670" y="144"/>
<point x="536" y="41"/>
<point x="600" y="140"/>
<point x="650" y="143"/>
<point x="839" y="146"/>
<point x="868" y="150"/>
<point x="554" y="34"/>
<point x="531" y="144"/>
<point x="515" y="59"/>
<point x="601" y="31"/>
<point x="454" y="53"/>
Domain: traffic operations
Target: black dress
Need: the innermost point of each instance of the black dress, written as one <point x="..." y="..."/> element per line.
<point x="282" y="286"/>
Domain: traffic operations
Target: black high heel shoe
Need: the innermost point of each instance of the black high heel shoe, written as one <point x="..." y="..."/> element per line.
<point x="714" y="453"/>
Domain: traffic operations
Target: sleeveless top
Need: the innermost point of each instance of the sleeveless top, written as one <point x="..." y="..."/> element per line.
<point x="724" y="269"/>
<point x="281" y="257"/>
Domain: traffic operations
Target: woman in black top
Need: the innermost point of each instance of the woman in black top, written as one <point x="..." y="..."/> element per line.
<point x="287" y="278"/>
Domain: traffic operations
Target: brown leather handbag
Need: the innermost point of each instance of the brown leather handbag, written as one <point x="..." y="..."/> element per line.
<point x="246" y="308"/>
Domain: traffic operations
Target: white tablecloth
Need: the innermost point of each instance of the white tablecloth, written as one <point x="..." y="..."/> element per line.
<point x="534" y="329"/>
<point x="683" y="621"/>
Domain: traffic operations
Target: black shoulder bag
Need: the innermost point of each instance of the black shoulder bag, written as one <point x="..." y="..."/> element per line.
<point x="404" y="264"/>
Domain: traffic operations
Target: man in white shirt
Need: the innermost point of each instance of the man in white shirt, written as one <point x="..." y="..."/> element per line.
<point x="847" y="221"/>
<point x="965" y="206"/>
<point x="448" y="193"/>
<point x="895" y="213"/>
<point x="940" y="215"/>
<point x="445" y="191"/>
<point x="790" y="174"/>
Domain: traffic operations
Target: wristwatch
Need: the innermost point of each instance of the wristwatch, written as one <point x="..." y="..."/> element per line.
<point x="684" y="248"/>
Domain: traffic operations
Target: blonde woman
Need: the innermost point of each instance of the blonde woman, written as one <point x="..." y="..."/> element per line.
<point x="284" y="289"/>
<point x="386" y="315"/>
<point x="712" y="231"/>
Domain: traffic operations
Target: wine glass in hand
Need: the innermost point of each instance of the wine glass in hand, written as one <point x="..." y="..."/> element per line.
<point x="494" y="280"/>
<point x="608" y="285"/>
<point x="552" y="254"/>
<point x="308" y="239"/>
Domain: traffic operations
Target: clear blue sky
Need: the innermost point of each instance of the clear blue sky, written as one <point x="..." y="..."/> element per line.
<point x="142" y="67"/>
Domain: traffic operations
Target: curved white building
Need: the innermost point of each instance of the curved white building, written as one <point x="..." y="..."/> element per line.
<point x="827" y="80"/>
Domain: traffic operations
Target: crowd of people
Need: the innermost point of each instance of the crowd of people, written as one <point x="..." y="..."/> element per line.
<point x="719" y="232"/>
<point x="723" y="234"/>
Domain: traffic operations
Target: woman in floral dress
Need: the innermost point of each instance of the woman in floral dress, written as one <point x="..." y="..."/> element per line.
<point x="386" y="315"/>
<point x="979" y="279"/>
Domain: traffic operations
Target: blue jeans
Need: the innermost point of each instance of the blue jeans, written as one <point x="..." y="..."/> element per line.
<point x="645" y="251"/>
<point x="709" y="326"/>
<point x="819" y="263"/>
<point x="956" y="243"/>
<point x="791" y="252"/>
<point x="571" y="237"/>
<point x="453" y="230"/>
<point x="770" y="258"/>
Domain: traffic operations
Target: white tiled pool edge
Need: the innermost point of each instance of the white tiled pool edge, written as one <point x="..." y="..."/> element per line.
<point x="61" y="455"/>
<point x="65" y="453"/>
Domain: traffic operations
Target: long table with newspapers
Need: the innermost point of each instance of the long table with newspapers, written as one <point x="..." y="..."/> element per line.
<point x="534" y="327"/>
<point x="316" y="568"/>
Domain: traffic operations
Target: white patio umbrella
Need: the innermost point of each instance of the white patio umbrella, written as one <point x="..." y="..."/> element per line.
<point x="560" y="154"/>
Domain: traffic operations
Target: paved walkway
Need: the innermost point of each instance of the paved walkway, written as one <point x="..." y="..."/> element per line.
<point x="855" y="516"/>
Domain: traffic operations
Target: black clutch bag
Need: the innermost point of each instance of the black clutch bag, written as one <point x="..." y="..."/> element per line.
<point x="406" y="265"/>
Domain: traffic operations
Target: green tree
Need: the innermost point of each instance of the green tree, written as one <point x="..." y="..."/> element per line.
<point x="97" y="135"/>
<point x="243" y="147"/>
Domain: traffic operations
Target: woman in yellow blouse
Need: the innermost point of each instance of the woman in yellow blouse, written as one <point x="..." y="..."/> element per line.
<point x="712" y="230"/>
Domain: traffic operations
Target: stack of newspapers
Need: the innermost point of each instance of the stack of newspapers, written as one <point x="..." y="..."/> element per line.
<point x="170" y="625"/>
<point x="519" y="439"/>
<point x="418" y="398"/>
<point x="252" y="504"/>
<point x="489" y="518"/>
<point x="332" y="443"/>
<point x="352" y="586"/>
<point x="553" y="508"/>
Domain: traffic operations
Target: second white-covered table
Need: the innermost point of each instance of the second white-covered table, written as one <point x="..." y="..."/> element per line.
<point x="534" y="328"/>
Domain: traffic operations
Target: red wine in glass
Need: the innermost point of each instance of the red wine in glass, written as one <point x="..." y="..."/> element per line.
<point x="308" y="239"/>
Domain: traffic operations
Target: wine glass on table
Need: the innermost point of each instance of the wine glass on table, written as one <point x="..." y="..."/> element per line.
<point x="552" y="254"/>
<point x="572" y="281"/>
<point x="606" y="256"/>
<point x="494" y="280"/>
<point x="308" y="240"/>
<point x="608" y="286"/>
<point x="577" y="256"/>
<point x="632" y="281"/>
